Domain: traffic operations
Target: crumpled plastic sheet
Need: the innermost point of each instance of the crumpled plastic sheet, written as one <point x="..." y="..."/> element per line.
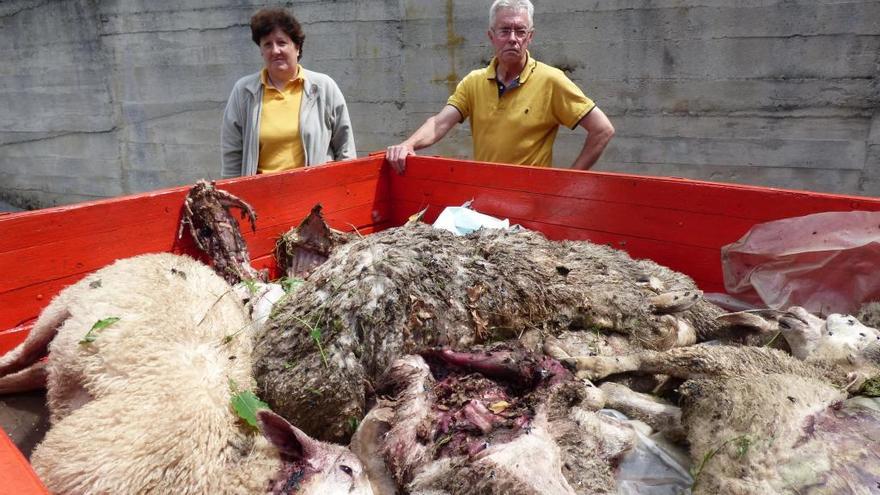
<point x="654" y="466"/>
<point x="825" y="262"/>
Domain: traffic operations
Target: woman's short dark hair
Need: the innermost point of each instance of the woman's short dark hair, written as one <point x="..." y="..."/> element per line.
<point x="266" y="20"/>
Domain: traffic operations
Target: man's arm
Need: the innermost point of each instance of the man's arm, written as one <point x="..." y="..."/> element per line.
<point x="599" y="133"/>
<point x="429" y="133"/>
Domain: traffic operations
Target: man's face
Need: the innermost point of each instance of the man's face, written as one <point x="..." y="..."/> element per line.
<point x="279" y="52"/>
<point x="511" y="35"/>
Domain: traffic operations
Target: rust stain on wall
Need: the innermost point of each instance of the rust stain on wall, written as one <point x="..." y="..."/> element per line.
<point x="453" y="41"/>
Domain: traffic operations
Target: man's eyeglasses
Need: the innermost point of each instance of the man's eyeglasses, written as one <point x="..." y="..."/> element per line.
<point x="520" y="33"/>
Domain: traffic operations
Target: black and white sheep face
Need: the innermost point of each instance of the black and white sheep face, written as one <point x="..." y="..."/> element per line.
<point x="846" y="332"/>
<point x="847" y="339"/>
<point x="842" y="339"/>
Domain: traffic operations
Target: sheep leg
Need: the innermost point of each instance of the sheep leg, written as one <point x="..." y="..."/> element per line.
<point x="697" y="361"/>
<point x="228" y="201"/>
<point x="597" y="367"/>
<point x="367" y="446"/>
<point x="659" y="414"/>
<point x="680" y="362"/>
<point x="504" y="365"/>
<point x="36" y="345"/>
<point x="31" y="378"/>
<point x="501" y="365"/>
<point x="675" y="301"/>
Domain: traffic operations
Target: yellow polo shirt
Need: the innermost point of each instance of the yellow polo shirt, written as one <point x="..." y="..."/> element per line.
<point x="520" y="126"/>
<point x="281" y="146"/>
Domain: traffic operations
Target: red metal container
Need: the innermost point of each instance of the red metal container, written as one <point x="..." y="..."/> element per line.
<point x="679" y="223"/>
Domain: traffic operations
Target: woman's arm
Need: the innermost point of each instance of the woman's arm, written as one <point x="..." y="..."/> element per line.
<point x="342" y="145"/>
<point x="231" y="144"/>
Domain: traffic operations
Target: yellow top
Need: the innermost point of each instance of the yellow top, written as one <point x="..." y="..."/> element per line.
<point x="281" y="146"/>
<point x="520" y="126"/>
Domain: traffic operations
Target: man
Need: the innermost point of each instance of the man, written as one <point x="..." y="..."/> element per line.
<point x="516" y="104"/>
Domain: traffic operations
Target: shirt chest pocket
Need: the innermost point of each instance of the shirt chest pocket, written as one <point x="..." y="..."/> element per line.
<point x="526" y="114"/>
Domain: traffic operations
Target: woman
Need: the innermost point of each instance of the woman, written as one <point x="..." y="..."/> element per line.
<point x="284" y="116"/>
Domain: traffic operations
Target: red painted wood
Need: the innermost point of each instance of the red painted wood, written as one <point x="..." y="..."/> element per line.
<point x="84" y="249"/>
<point x="685" y="227"/>
<point x="738" y="201"/>
<point x="9" y="339"/>
<point x="51" y="224"/>
<point x="24" y="303"/>
<point x="682" y="223"/>
<point x="60" y="245"/>
<point x="16" y="475"/>
<point x="672" y="218"/>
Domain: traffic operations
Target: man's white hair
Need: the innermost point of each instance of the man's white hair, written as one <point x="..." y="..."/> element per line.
<point x="511" y="4"/>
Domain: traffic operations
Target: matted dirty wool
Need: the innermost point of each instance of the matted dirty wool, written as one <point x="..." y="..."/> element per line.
<point x="405" y="289"/>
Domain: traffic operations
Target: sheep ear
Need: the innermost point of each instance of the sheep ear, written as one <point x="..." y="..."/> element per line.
<point x="871" y="352"/>
<point x="288" y="439"/>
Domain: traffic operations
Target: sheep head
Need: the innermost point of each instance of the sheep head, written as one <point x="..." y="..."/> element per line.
<point x="311" y="467"/>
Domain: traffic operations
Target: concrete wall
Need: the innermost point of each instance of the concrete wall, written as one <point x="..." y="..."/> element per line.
<point x="101" y="98"/>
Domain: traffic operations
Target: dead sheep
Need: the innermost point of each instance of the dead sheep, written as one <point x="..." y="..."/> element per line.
<point x="758" y="421"/>
<point x="499" y="421"/>
<point x="839" y="340"/>
<point x="389" y="294"/>
<point x="869" y="314"/>
<point x="140" y="402"/>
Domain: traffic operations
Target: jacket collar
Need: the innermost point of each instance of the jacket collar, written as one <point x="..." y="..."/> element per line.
<point x="255" y="85"/>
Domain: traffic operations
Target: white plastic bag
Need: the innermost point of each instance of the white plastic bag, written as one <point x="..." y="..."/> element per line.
<point x="461" y="220"/>
<point x="825" y="262"/>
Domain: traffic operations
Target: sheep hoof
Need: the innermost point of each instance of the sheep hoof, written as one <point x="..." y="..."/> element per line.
<point x="675" y="301"/>
<point x="593" y="367"/>
<point x="750" y="319"/>
<point x="855" y="381"/>
<point x="553" y="348"/>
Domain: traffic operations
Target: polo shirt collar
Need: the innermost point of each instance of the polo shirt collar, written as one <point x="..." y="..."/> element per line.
<point x="523" y="76"/>
<point x="264" y="75"/>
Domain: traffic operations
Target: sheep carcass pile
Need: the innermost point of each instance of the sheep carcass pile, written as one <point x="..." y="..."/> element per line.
<point x="499" y="421"/>
<point x="402" y="290"/>
<point x="761" y="421"/>
<point x="141" y="403"/>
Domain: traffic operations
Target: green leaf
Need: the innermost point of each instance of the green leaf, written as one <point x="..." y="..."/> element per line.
<point x="246" y="405"/>
<point x="871" y="388"/>
<point x="316" y="336"/>
<point x="742" y="445"/>
<point x="99" y="325"/>
<point x="251" y="285"/>
<point x="228" y="338"/>
<point x="290" y="284"/>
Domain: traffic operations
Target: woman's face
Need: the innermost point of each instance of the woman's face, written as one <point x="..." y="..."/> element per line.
<point x="279" y="52"/>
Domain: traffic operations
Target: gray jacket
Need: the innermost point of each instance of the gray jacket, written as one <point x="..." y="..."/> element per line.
<point x="324" y="125"/>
